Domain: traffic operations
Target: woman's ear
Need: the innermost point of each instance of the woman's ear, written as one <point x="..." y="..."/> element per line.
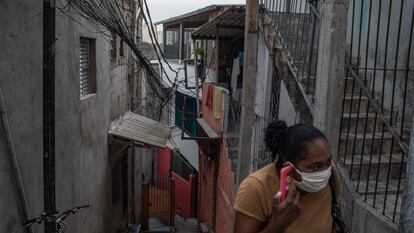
<point x="297" y="176"/>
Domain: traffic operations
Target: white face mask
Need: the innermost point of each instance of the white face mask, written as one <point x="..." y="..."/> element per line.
<point x="314" y="181"/>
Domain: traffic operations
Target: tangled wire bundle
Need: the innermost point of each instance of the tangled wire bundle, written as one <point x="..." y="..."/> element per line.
<point x="107" y="15"/>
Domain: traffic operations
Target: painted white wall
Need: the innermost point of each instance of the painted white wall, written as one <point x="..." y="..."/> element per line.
<point x="264" y="78"/>
<point x="286" y="109"/>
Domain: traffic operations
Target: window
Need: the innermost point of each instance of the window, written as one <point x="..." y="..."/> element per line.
<point x="87" y="64"/>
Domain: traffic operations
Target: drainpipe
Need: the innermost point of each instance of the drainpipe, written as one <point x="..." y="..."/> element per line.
<point x="49" y="35"/>
<point x="13" y="158"/>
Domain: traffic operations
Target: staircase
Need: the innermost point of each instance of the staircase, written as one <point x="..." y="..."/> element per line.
<point x="186" y="225"/>
<point x="375" y="162"/>
<point x="182" y="225"/>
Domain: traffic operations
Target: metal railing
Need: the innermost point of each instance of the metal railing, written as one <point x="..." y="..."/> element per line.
<point x="275" y="95"/>
<point x="297" y="22"/>
<point x="378" y="94"/>
<point x="182" y="168"/>
<point x="232" y="130"/>
<point x="260" y="155"/>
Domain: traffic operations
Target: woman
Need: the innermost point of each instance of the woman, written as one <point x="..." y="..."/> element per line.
<point x="308" y="207"/>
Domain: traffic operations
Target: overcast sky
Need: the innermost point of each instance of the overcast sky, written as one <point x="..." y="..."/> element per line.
<point x="164" y="9"/>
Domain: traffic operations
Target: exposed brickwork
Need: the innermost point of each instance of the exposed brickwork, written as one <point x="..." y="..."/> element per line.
<point x="206" y="175"/>
<point x="225" y="193"/>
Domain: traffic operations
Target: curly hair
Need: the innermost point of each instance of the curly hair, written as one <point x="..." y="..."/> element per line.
<point x="290" y="143"/>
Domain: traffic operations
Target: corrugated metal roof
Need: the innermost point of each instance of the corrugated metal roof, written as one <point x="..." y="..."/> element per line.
<point x="228" y="24"/>
<point x="141" y="129"/>
<point x="193" y="13"/>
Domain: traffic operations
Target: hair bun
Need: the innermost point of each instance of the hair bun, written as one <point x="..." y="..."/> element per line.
<point x="275" y="136"/>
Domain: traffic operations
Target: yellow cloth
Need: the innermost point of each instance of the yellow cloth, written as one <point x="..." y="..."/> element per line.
<point x="255" y="195"/>
<point x="218" y="101"/>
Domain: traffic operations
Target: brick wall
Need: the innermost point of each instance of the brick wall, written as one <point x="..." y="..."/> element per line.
<point x="225" y="193"/>
<point x="206" y="175"/>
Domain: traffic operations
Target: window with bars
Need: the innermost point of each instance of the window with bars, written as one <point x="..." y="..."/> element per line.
<point x="87" y="66"/>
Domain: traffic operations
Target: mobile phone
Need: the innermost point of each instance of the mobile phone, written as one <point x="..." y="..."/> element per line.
<point x="286" y="177"/>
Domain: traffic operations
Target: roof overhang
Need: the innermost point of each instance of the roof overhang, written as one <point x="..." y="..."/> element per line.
<point x="227" y="25"/>
<point x="137" y="128"/>
<point x="192" y="19"/>
<point x="209" y="132"/>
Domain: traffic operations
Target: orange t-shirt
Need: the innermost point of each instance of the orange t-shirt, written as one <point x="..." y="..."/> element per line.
<point x="255" y="195"/>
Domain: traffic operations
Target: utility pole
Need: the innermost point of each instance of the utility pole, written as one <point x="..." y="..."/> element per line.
<point x="49" y="23"/>
<point x="407" y="207"/>
<point x="331" y="68"/>
<point x="251" y="36"/>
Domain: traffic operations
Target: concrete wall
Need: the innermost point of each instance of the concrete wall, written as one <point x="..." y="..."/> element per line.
<point x="83" y="174"/>
<point x="287" y="111"/>
<point x="358" y="215"/>
<point x="264" y="79"/>
<point x="120" y="98"/>
<point x="21" y="81"/>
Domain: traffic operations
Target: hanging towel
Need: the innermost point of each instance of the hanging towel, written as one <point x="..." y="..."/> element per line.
<point x="218" y="101"/>
<point x="209" y="99"/>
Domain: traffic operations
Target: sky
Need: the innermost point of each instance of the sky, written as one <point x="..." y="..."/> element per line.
<point x="164" y="9"/>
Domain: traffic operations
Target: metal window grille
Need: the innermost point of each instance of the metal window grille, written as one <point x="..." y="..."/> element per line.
<point x="377" y="112"/>
<point x="297" y="22"/>
<point x="275" y="95"/>
<point x="232" y="130"/>
<point x="261" y="156"/>
<point x="182" y="168"/>
<point x="86" y="64"/>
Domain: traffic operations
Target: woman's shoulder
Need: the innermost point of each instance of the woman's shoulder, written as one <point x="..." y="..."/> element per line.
<point x="261" y="178"/>
<point x="264" y="174"/>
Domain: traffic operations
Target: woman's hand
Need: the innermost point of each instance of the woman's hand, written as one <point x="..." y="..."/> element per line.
<point x="285" y="213"/>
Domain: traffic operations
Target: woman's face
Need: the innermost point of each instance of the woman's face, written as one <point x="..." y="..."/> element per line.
<point x="318" y="157"/>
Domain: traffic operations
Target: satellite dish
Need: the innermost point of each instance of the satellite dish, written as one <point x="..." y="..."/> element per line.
<point x="147" y="50"/>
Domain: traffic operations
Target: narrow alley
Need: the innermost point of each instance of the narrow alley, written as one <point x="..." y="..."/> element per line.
<point x="213" y="116"/>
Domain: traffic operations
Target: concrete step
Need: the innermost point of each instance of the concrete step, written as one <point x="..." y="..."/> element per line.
<point x="372" y="143"/>
<point x="364" y="166"/>
<point x="392" y="204"/>
<point x="354" y="101"/>
<point x="186" y="225"/>
<point x="353" y="86"/>
<point x="386" y="201"/>
<point x="368" y="120"/>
